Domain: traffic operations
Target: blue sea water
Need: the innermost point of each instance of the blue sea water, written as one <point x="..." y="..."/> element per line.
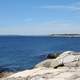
<point x="23" y="52"/>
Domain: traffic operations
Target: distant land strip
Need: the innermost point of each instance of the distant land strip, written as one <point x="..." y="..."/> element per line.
<point x="65" y="35"/>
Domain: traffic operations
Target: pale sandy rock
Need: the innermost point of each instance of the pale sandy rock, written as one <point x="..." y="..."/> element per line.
<point x="69" y="57"/>
<point x="57" y="79"/>
<point x="37" y="78"/>
<point x="65" y="75"/>
<point x="64" y="54"/>
<point x="64" y="58"/>
<point x="74" y="77"/>
<point x="45" y="63"/>
<point x="50" y="74"/>
<point x="26" y="73"/>
<point x="48" y="63"/>
<point x="54" y="63"/>
<point x="45" y="70"/>
<point x="77" y="79"/>
<point x="73" y="64"/>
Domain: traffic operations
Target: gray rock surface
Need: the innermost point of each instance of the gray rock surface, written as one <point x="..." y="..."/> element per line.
<point x="52" y="74"/>
<point x="45" y="63"/>
<point x="46" y="69"/>
<point x="66" y="58"/>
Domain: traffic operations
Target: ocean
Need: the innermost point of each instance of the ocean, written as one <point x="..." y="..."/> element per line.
<point x="24" y="52"/>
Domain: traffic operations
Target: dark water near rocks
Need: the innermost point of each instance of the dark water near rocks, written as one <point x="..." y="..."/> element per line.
<point x="19" y="53"/>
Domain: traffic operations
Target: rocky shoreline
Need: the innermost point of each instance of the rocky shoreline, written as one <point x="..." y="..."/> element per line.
<point x="64" y="67"/>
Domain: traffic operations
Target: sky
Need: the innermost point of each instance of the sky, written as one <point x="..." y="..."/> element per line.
<point x="39" y="17"/>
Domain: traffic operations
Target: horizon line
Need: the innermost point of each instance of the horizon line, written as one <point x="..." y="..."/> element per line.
<point x="40" y="34"/>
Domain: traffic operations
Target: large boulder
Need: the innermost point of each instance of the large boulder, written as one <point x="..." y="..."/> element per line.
<point x="65" y="58"/>
<point x="68" y="56"/>
<point x="53" y="55"/>
<point x="49" y="63"/>
<point x="64" y="54"/>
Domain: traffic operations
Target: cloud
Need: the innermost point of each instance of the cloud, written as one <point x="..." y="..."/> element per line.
<point x="72" y="7"/>
<point x="44" y="28"/>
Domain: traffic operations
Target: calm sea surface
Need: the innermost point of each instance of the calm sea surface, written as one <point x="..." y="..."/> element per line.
<point x="19" y="53"/>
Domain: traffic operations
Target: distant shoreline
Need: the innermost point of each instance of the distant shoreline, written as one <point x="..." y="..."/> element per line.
<point x="51" y="35"/>
<point x="65" y="35"/>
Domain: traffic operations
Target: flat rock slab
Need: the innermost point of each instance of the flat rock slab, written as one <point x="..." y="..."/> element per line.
<point x="47" y="74"/>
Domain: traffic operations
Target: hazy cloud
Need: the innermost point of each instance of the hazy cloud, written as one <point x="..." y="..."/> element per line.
<point x="45" y="28"/>
<point x="72" y="7"/>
